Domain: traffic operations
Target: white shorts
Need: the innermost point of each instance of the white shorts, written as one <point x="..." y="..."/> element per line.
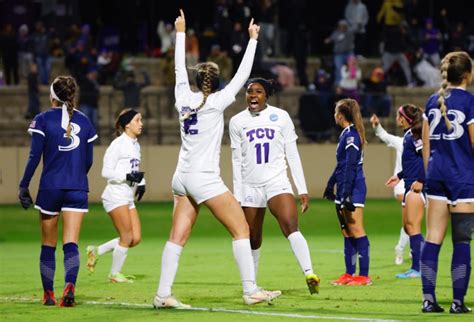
<point x="201" y="186"/>
<point x="117" y="195"/>
<point x="399" y="189"/>
<point x="257" y="197"/>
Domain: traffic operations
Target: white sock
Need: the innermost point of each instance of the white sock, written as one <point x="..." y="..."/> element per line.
<point x="243" y="257"/>
<point x="256" y="258"/>
<point x="107" y="247"/>
<point x="169" y="267"/>
<point x="301" y="251"/>
<point x="118" y="258"/>
<point x="403" y="240"/>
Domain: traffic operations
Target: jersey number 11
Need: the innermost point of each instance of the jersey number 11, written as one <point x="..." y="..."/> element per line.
<point x="266" y="152"/>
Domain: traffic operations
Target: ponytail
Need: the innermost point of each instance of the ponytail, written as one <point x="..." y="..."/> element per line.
<point x="207" y="80"/>
<point x="414" y="116"/>
<point x="350" y="109"/>
<point x="65" y="90"/>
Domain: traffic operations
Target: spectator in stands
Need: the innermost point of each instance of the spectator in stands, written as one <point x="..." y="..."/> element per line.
<point x="223" y="23"/>
<point x="192" y="47"/>
<point x="376" y="100"/>
<point x="394" y="45"/>
<point x="25" y="51"/>
<point x="33" y="92"/>
<point x="431" y="42"/>
<point x="166" y="34"/>
<point x="9" y="50"/>
<point x="266" y="17"/>
<point x="391" y="13"/>
<point x="238" y="43"/>
<point x="108" y="63"/>
<point x="126" y="82"/>
<point x="343" y="40"/>
<point x="324" y="87"/>
<point x="89" y="95"/>
<point x="41" y="50"/>
<point x="350" y="76"/>
<point x="357" y="16"/>
<point x="220" y="57"/>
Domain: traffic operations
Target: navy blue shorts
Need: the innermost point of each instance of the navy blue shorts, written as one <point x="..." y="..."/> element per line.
<point x="52" y="202"/>
<point x="450" y="191"/>
<point x="359" y="192"/>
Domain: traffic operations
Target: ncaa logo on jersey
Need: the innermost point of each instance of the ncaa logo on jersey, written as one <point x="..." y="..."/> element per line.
<point x="75" y="140"/>
<point x="249" y="199"/>
<point x="273" y="117"/>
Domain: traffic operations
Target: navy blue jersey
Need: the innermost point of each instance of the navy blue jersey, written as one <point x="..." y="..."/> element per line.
<point x="66" y="161"/>
<point x="349" y="158"/>
<point x="451" y="155"/>
<point x="412" y="160"/>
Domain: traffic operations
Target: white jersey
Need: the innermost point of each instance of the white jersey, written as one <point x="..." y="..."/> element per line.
<point x="121" y="157"/>
<point x="262" y="141"/>
<point x="201" y="133"/>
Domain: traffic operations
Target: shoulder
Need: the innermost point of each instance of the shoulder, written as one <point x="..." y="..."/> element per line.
<point x="277" y="113"/>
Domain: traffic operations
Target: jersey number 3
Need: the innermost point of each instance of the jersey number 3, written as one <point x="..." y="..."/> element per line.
<point x="75" y="140"/>
<point x="266" y="152"/>
<point x="457" y="130"/>
<point x="191" y="120"/>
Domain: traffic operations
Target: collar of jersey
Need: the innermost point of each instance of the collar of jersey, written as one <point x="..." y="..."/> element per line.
<point x="129" y="138"/>
<point x="346" y="129"/>
<point x="262" y="112"/>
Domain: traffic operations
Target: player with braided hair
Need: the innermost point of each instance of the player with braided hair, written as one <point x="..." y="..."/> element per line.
<point x="197" y="178"/>
<point x="409" y="118"/>
<point x="63" y="136"/>
<point x="448" y="155"/>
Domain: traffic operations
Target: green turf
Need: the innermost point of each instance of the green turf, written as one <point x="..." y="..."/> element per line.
<point x="208" y="276"/>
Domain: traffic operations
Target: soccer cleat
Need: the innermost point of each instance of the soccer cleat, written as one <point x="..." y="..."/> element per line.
<point x="120" y="278"/>
<point x="257" y="297"/>
<point x="92" y="258"/>
<point x="431" y="307"/>
<point x="313" y="281"/>
<point x="360" y="280"/>
<point x="343" y="279"/>
<point x="398" y="255"/>
<point x="169" y="302"/>
<point x="411" y="273"/>
<point x="48" y="298"/>
<point x="459" y="309"/>
<point x="68" y="296"/>
<point x="271" y="294"/>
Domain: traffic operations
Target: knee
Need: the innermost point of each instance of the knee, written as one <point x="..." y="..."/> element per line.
<point x="126" y="239"/>
<point x="410" y="228"/>
<point x="462" y="226"/>
<point x="135" y="241"/>
<point x="255" y="242"/>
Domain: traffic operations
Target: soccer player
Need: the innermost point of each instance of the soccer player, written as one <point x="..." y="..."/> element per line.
<point x="124" y="181"/>
<point x="197" y="178"/>
<point x="348" y="176"/>
<point x="395" y="142"/>
<point x="448" y="154"/>
<point x="262" y="136"/>
<point x="409" y="118"/>
<point x="63" y="136"/>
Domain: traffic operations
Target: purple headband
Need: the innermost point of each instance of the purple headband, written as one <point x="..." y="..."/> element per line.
<point x="402" y="112"/>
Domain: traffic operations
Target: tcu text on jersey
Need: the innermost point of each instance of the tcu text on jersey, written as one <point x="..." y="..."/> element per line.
<point x="260" y="134"/>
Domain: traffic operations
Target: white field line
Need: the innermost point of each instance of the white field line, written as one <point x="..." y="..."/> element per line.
<point x="206" y="309"/>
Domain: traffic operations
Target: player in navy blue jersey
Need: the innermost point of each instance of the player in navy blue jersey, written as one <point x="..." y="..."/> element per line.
<point x="448" y="153"/>
<point x="351" y="190"/>
<point x="63" y="136"/>
<point x="409" y="118"/>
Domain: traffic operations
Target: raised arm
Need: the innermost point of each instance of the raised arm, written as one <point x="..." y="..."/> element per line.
<point x="389" y="139"/>
<point x="246" y="64"/>
<point x="182" y="81"/>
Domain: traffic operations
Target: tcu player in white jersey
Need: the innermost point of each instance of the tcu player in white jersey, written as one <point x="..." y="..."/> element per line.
<point x="395" y="142"/>
<point x="124" y="181"/>
<point x="197" y="178"/>
<point x="262" y="136"/>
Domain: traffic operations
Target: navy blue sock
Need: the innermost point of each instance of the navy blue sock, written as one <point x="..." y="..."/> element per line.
<point x="47" y="266"/>
<point x="460" y="267"/>
<point x="363" y="248"/>
<point x="429" y="269"/>
<point x="415" y="245"/>
<point x="350" y="255"/>
<point x="71" y="262"/>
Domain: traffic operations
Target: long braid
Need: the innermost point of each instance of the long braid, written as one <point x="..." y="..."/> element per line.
<point x="442" y="91"/>
<point x="65" y="89"/>
<point x="206" y="85"/>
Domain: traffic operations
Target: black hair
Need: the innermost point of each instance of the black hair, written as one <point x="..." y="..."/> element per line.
<point x="267" y="84"/>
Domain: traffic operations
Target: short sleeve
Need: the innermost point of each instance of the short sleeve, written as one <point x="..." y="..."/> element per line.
<point x="37" y="125"/>
<point x="418" y="144"/>
<point x="352" y="140"/>
<point x="289" y="132"/>
<point x="92" y="133"/>
<point x="429" y="105"/>
<point x="470" y="117"/>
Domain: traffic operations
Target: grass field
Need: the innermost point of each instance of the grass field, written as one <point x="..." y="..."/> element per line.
<point x="208" y="277"/>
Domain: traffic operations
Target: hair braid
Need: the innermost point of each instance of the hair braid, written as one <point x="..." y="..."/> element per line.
<point x="65" y="89"/>
<point x="206" y="85"/>
<point x="442" y="91"/>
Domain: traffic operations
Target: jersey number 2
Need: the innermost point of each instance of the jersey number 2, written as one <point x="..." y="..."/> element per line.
<point x="266" y="152"/>
<point x="457" y="130"/>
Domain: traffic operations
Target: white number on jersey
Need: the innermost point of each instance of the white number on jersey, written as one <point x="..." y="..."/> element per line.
<point x="457" y="130"/>
<point x="75" y="140"/>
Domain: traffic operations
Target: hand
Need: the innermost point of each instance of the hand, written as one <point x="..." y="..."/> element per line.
<point x="304" y="200"/>
<point x="416" y="186"/>
<point x="135" y="176"/>
<point x="374" y="119"/>
<point x="180" y="22"/>
<point x="253" y="30"/>
<point x="348" y="205"/>
<point x="140" y="192"/>
<point x="392" y="181"/>
<point x="329" y="193"/>
<point x="25" y="198"/>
